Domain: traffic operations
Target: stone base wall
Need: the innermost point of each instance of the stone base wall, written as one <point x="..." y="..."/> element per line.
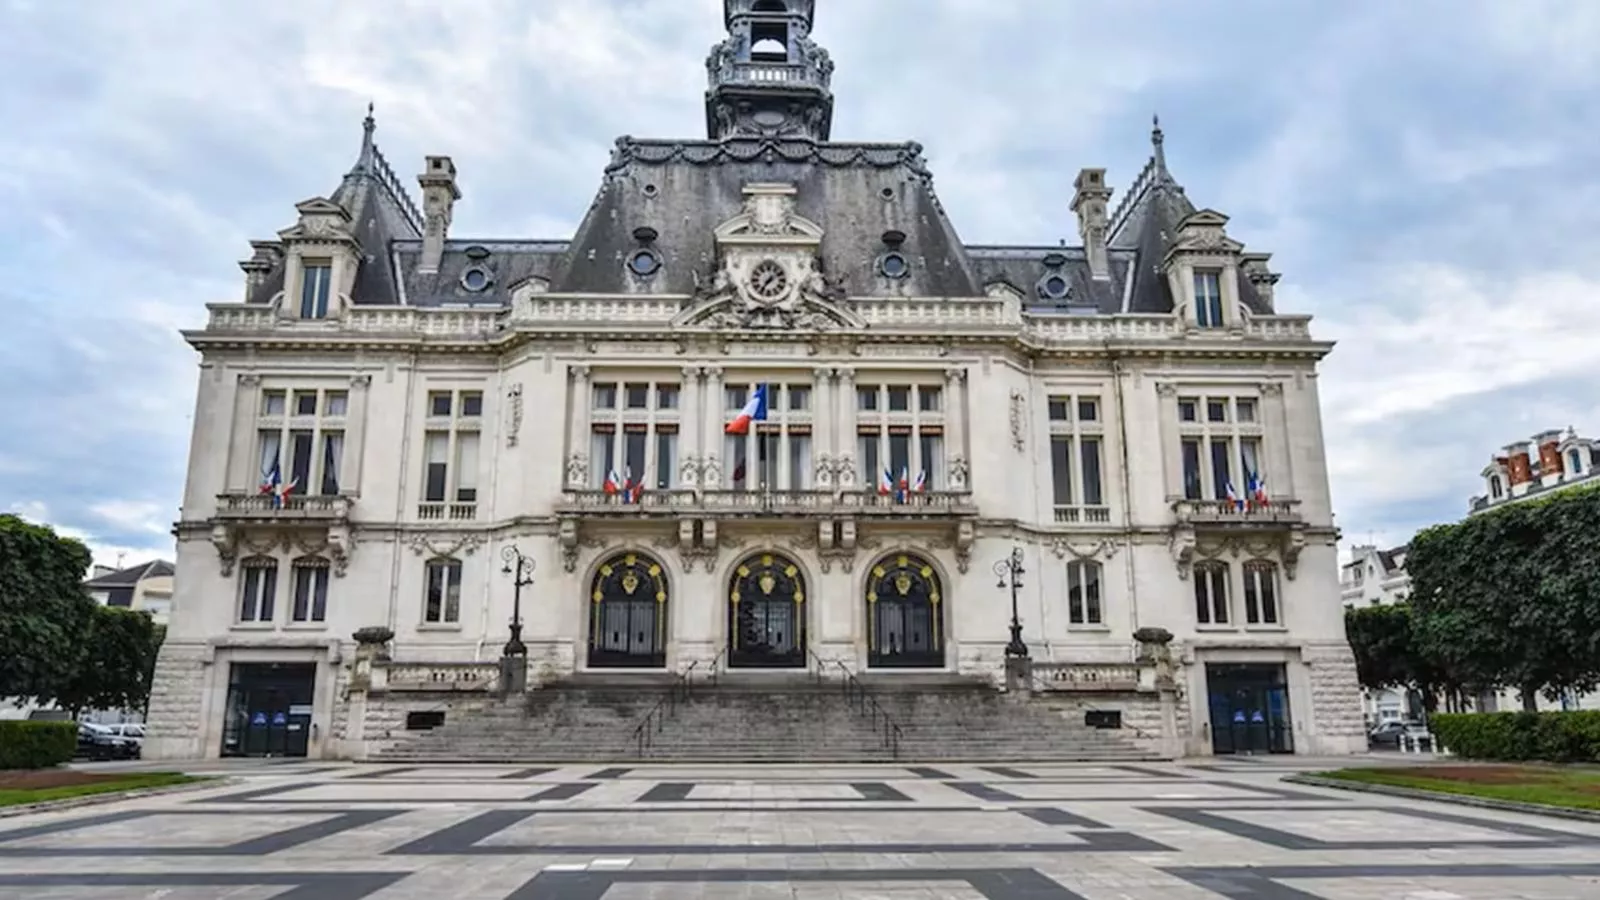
<point x="1143" y="719"/>
<point x="383" y="721"/>
<point x="174" y="726"/>
<point x="1337" y="726"/>
<point x="984" y="660"/>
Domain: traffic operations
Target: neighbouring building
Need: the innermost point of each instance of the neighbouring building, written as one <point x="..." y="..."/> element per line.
<point x="1374" y="577"/>
<point x="1132" y="412"/>
<point x="146" y="587"/>
<point x="1548" y="461"/>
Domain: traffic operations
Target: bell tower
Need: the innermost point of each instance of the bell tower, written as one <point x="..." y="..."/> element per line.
<point x="769" y="78"/>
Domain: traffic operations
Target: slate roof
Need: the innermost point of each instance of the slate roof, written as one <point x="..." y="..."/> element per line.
<point x="131" y="576"/>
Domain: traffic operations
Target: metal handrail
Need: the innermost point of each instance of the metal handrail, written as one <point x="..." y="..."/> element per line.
<point x="644" y="733"/>
<point x="857" y="693"/>
<point x="715" y="668"/>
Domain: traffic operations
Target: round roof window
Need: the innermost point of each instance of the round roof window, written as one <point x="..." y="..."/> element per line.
<point x="476" y="278"/>
<point x="1055" y="287"/>
<point x="894" y="265"/>
<point x="644" y="263"/>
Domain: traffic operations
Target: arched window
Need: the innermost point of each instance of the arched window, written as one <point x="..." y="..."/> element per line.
<point x="310" y="600"/>
<point x="628" y="614"/>
<point x="904" y="613"/>
<point x="1574" y="462"/>
<point x="258" y="589"/>
<point x="1211" y="593"/>
<point x="766" y="614"/>
<point x="1084" y="604"/>
<point x="1261" y="593"/>
<point x="441" y="593"/>
<point x="1496" y="489"/>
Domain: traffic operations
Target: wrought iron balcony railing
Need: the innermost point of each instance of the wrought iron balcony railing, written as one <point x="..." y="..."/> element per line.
<point x="1225" y="512"/>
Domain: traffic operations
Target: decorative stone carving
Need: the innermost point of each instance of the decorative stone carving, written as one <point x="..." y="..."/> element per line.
<point x="844" y="472"/>
<point x="577" y="470"/>
<point x="1270" y="388"/>
<point x="689" y="471"/>
<point x="958" y="473"/>
<point x="513" y="414"/>
<point x="222" y="537"/>
<point x="710" y="471"/>
<point x="1182" y="546"/>
<point x="445" y="547"/>
<point x="1019" y="421"/>
<point x="823" y="471"/>
<point x="1104" y="548"/>
<point x="1166" y="390"/>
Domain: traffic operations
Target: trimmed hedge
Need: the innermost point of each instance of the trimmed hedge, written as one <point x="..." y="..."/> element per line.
<point x="37" y="745"/>
<point x="1521" y="736"/>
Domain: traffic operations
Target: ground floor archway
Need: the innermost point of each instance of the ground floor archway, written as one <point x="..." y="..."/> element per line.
<point x="905" y="609"/>
<point x="766" y="614"/>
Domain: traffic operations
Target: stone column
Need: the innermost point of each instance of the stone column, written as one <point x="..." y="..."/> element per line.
<point x="1171" y="452"/>
<point x="848" y="478"/>
<point x="243" y="452"/>
<point x="711" y="412"/>
<point x="578" y="461"/>
<point x="1275" y="442"/>
<point x="823" y="427"/>
<point x="355" y="433"/>
<point x="690" y="454"/>
<point x="957" y="463"/>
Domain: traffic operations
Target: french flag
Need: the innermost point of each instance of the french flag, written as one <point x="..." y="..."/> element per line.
<point x="921" y="483"/>
<point x="755" y="410"/>
<point x="628" y="495"/>
<point x="613" y="483"/>
<point x="271" y="482"/>
<point x="903" y="491"/>
<point x="1233" y="496"/>
<point x="1258" y="490"/>
<point x="885" y="483"/>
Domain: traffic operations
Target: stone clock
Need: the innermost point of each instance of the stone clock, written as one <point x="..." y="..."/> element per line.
<point x="769" y="281"/>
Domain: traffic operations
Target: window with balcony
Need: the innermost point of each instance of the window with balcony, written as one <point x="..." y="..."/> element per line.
<point x="442" y="592"/>
<point x="776" y="454"/>
<point x="309" y="604"/>
<point x="636" y="441"/>
<point x="1084" y="605"/>
<point x="900" y="433"/>
<point x="1261" y="593"/>
<point x="451" y="454"/>
<point x="300" y="443"/>
<point x="258" y="589"/>
<point x="1211" y="593"/>
<point x="316" y="284"/>
<point x="1077" y="456"/>
<point x="1208" y="298"/>
<point x="1220" y="451"/>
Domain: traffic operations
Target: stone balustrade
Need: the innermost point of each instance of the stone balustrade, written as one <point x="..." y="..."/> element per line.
<point x="1225" y="512"/>
<point x="1048" y="677"/>
<point x="295" y="506"/>
<point x="769" y="503"/>
<point x="470" y="677"/>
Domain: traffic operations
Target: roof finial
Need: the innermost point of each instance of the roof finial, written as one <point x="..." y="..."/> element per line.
<point x="1157" y="140"/>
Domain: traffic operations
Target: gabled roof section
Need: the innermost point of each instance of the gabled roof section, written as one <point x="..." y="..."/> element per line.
<point x="158" y="568"/>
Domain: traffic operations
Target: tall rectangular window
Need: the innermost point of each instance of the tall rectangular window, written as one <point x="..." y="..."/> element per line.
<point x="1221" y="471"/>
<point x="931" y="460"/>
<point x="315" y="284"/>
<point x="868" y="448"/>
<point x="1208" y="298"/>
<point x="1083" y="593"/>
<point x="310" y="601"/>
<point x="1192" y="478"/>
<point x="666" y="459"/>
<point x="258" y="589"/>
<point x="1077" y="457"/>
<point x="442" y="598"/>
<point x="634" y="435"/>
<point x="467" y="467"/>
<point x="1220" y="444"/>
<point x="900" y="430"/>
<point x="1260" y="594"/>
<point x="436" y="466"/>
<point x="300" y="441"/>
<point x="602" y="454"/>
<point x="452" y="454"/>
<point x="1211" y="593"/>
<point x="635" y="442"/>
<point x="900" y="456"/>
<point x="798" y="477"/>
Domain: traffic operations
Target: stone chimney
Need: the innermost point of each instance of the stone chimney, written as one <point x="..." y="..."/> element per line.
<point x="1519" y="468"/>
<point x="439" y="196"/>
<point x="1090" y="204"/>
<point x="267" y="256"/>
<point x="1254" y="267"/>
<point x="1551" y="464"/>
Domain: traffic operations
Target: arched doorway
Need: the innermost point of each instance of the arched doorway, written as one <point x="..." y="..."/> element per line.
<point x="766" y="614"/>
<point x="904" y="612"/>
<point x="628" y="614"/>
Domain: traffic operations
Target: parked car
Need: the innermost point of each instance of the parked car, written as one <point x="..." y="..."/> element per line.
<point x="1387" y="736"/>
<point x="100" y="742"/>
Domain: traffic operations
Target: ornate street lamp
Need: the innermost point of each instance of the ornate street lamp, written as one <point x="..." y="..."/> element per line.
<point x="520" y="568"/>
<point x="1010" y="572"/>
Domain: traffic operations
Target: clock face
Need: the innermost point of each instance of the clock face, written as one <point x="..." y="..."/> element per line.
<point x="768" y="280"/>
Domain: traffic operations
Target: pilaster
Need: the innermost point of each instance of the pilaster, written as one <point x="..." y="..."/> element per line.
<point x="823" y="427"/>
<point x="1171" y="451"/>
<point x="1280" y="475"/>
<point x="711" y="429"/>
<point x="845" y="414"/>
<point x="955" y="425"/>
<point x="578" y="439"/>
<point x="691" y="433"/>
<point x="355" y="434"/>
<point x="242" y="461"/>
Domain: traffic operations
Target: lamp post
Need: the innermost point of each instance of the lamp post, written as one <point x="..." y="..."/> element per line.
<point x="1010" y="572"/>
<point x="514" y="657"/>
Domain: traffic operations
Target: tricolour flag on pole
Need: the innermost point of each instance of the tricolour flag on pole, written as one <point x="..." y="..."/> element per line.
<point x="885" y="483"/>
<point x="921" y="483"/>
<point x="755" y="410"/>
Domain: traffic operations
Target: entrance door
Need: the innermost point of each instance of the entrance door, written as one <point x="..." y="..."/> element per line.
<point x="1249" y="708"/>
<point x="269" y="709"/>
<point x="766" y="614"/>
<point x="903" y="609"/>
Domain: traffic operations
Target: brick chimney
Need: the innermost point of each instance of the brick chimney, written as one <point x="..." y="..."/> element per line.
<point x="1519" y="468"/>
<point x="1551" y="464"/>
<point x="1090" y="204"/>
<point x="439" y="195"/>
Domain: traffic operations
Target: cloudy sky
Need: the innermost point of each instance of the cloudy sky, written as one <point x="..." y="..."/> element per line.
<point x="1423" y="172"/>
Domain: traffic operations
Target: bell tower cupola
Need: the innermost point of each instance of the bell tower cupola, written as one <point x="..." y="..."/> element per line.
<point x="769" y="78"/>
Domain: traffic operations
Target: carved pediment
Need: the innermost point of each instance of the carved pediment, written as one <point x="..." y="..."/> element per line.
<point x="1205" y="231"/>
<point x="769" y="218"/>
<point x="764" y="290"/>
<point x="320" y="220"/>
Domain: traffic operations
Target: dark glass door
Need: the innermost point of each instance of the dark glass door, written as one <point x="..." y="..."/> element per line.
<point x="766" y="615"/>
<point x="903" y="612"/>
<point x="269" y="709"/>
<point x="628" y="628"/>
<point x="1249" y="708"/>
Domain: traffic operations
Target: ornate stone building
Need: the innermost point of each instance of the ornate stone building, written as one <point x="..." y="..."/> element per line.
<point x="1133" y="413"/>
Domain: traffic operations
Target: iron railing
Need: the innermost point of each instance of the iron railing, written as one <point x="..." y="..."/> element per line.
<point x="857" y="695"/>
<point x="644" y="734"/>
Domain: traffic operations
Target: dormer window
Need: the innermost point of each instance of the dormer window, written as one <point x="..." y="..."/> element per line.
<point x="1496" y="489"/>
<point x="1574" y="462"/>
<point x="1208" y="298"/>
<point x="316" y="281"/>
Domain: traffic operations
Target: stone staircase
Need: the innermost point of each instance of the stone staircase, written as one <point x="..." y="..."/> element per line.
<point x="767" y="717"/>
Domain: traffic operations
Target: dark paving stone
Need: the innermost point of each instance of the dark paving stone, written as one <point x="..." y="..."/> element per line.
<point x="1049" y="815"/>
<point x="993" y="884"/>
<point x="381" y="773"/>
<point x="332" y="823"/>
<point x="1265" y="882"/>
<point x="609" y="774"/>
<point x="534" y="772"/>
<point x="928" y="772"/>
<point x="564" y="791"/>
<point x="878" y="791"/>
<point x="464" y="838"/>
<point x="1008" y="772"/>
<point x="302" y="885"/>
<point x="679" y="791"/>
<point x="1219" y="821"/>
<point x="1153" y="773"/>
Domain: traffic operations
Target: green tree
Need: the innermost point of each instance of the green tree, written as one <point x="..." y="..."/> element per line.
<point x="116" y="664"/>
<point x="1511" y="597"/>
<point x="44" y="610"/>
<point x="1389" y="654"/>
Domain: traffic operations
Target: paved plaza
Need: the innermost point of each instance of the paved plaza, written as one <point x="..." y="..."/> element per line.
<point x="1225" y="829"/>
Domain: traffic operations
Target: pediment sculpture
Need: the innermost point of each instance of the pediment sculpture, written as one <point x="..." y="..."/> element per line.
<point x="776" y="291"/>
